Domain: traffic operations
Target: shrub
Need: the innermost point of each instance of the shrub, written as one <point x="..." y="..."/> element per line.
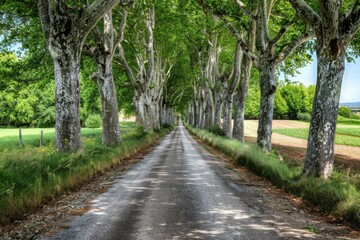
<point x="216" y="130"/>
<point x="140" y="132"/>
<point x="93" y="121"/>
<point x="355" y="116"/>
<point x="345" y="112"/>
<point x="166" y="125"/>
<point x="304" y="116"/>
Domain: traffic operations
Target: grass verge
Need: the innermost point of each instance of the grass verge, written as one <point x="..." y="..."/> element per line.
<point x="33" y="175"/>
<point x="335" y="195"/>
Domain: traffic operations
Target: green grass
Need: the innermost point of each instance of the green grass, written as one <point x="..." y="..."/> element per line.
<point x="349" y="131"/>
<point x="344" y="136"/>
<point x="336" y="195"/>
<point x="348" y="121"/>
<point x="9" y="137"/>
<point x="32" y="175"/>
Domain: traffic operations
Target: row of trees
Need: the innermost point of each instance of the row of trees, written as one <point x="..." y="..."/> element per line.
<point x="73" y="30"/>
<point x="264" y="41"/>
<point x="200" y="57"/>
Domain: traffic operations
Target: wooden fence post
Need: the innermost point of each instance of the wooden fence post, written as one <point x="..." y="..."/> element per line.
<point x="20" y="138"/>
<point x="41" y="138"/>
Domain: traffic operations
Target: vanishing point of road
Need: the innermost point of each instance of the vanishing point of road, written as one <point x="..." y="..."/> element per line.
<point x="178" y="191"/>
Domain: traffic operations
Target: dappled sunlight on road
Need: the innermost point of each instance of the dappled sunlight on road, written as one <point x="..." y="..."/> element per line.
<point x="179" y="191"/>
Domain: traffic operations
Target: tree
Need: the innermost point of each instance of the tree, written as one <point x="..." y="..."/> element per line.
<point x="269" y="57"/>
<point x="297" y="99"/>
<point x="152" y="71"/>
<point x="102" y="53"/>
<point x="65" y="29"/>
<point x="345" y="112"/>
<point x="335" y="30"/>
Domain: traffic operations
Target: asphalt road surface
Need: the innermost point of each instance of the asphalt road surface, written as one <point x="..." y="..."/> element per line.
<point x="179" y="191"/>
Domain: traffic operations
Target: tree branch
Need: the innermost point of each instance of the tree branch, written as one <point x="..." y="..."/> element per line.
<point x="44" y="13"/>
<point x="120" y="36"/>
<point x="263" y="23"/>
<point x="351" y="24"/>
<point x="236" y="69"/>
<point x="150" y="23"/>
<point x="306" y="13"/>
<point x="290" y="48"/>
<point x="95" y="12"/>
<point x="245" y="9"/>
<point x="282" y="31"/>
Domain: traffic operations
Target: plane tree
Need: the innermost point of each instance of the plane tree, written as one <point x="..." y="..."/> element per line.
<point x="335" y="24"/>
<point x="65" y="29"/>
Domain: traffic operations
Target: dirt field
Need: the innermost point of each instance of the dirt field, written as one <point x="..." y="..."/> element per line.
<point x="295" y="148"/>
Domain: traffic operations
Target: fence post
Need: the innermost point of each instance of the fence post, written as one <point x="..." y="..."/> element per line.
<point x="20" y="137"/>
<point x="41" y="138"/>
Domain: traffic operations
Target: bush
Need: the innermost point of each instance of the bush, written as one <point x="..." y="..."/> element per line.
<point x="345" y="112"/>
<point x="355" y="116"/>
<point x="304" y="117"/>
<point x="140" y="132"/>
<point x="166" y="125"/>
<point x="215" y="129"/>
<point x="93" y="121"/>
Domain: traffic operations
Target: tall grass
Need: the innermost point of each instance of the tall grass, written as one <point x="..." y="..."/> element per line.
<point x="335" y="195"/>
<point x="32" y="175"/>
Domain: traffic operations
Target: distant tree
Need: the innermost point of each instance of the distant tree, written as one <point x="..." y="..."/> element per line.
<point x="296" y="97"/>
<point x="281" y="109"/>
<point x="345" y="112"/>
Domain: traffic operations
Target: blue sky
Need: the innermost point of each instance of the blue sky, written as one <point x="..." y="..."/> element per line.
<point x="350" y="91"/>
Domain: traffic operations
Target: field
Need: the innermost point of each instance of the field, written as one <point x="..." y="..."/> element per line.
<point x="344" y="136"/>
<point x="9" y="137"/>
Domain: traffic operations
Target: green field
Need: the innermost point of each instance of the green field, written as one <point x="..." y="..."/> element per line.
<point x="9" y="137"/>
<point x="344" y="136"/>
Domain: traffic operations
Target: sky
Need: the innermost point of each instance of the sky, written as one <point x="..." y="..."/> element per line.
<point x="350" y="91"/>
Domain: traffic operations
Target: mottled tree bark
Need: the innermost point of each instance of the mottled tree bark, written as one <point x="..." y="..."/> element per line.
<point x="320" y="149"/>
<point x="110" y="117"/>
<point x="66" y="56"/>
<point x="229" y="94"/>
<point x="267" y="91"/>
<point x="219" y="98"/>
<point x="103" y="54"/>
<point x="240" y="99"/>
<point x="241" y="94"/>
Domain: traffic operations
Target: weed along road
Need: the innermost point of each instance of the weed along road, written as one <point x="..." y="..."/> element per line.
<point x="179" y="191"/>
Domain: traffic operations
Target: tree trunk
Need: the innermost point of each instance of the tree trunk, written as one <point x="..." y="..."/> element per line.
<point x="218" y="109"/>
<point x="156" y="116"/>
<point x="320" y="150"/>
<point x="110" y="117"/>
<point x="149" y="114"/>
<point x="139" y="104"/>
<point x="210" y="108"/>
<point x="227" y="124"/>
<point x="219" y="98"/>
<point x="267" y="90"/>
<point x="66" y="57"/>
<point x="240" y="99"/>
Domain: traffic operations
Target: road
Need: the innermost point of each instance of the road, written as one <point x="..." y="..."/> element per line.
<point x="178" y="191"/>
